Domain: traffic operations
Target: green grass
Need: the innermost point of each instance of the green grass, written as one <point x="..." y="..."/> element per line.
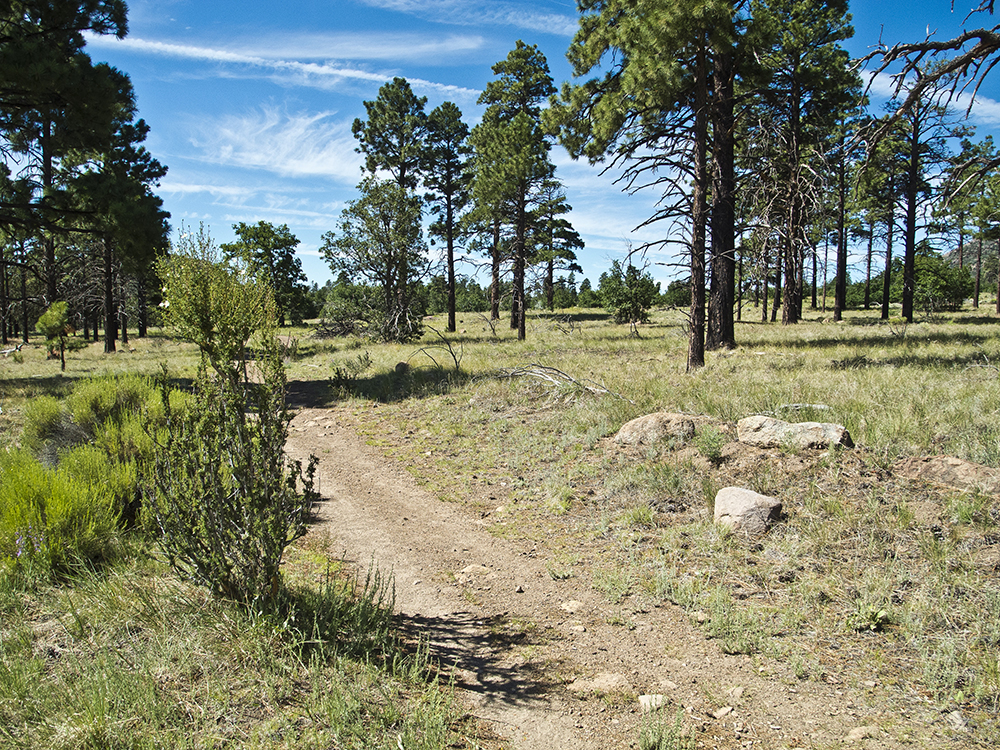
<point x="896" y="573"/>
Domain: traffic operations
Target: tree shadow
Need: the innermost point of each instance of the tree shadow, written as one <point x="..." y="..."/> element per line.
<point x="474" y="653"/>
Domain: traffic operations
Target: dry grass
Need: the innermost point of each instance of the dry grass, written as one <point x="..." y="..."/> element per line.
<point x="869" y="577"/>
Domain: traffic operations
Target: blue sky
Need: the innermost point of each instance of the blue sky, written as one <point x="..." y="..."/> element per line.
<point x="250" y="104"/>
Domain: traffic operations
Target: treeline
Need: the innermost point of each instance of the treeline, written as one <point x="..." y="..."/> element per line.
<point x="79" y="220"/>
<point x="750" y="121"/>
<point x="491" y="190"/>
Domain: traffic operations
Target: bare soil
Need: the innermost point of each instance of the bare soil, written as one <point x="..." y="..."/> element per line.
<point x="547" y="662"/>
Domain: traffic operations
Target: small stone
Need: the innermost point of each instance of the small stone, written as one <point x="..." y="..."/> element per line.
<point x="701" y="618"/>
<point x="606" y="682"/>
<point x="478" y="570"/>
<point x="957" y="721"/>
<point x="519" y="590"/>
<point x="722" y="712"/>
<point x="862" y="733"/>
<point x="650" y="703"/>
<point x="669" y="684"/>
<point x="735" y="694"/>
<point x="572" y="606"/>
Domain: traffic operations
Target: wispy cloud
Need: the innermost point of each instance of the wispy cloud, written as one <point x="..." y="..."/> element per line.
<point x="498" y="13"/>
<point x="304" y="145"/>
<point x="361" y="46"/>
<point x="983" y="111"/>
<point x="324" y="75"/>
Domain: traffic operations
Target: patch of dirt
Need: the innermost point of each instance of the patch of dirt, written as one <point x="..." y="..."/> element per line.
<point x="548" y="661"/>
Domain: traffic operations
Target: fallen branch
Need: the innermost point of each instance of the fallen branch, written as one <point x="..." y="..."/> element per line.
<point x="557" y="378"/>
<point x="16" y="349"/>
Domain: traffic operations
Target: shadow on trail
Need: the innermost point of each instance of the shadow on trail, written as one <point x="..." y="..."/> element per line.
<point x="471" y="652"/>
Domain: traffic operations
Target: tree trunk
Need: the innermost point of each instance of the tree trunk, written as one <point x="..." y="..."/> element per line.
<point x="764" y="295"/>
<point x="887" y="274"/>
<point x="495" y="276"/>
<point x="721" y="331"/>
<point x="910" y="237"/>
<point x="518" y="307"/>
<point x="4" y="323"/>
<point x="24" y="294"/>
<point x="699" y="210"/>
<point x="979" y="274"/>
<point x="450" y="224"/>
<point x="142" y="304"/>
<point x="868" y="266"/>
<point x="110" y="334"/>
<point x="840" y="289"/>
<point x="777" y="284"/>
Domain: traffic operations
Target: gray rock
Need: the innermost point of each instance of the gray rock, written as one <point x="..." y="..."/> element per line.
<point x="768" y="432"/>
<point x="606" y="682"/>
<point x="650" y="703"/>
<point x="746" y="510"/>
<point x="951" y="472"/>
<point x="655" y="428"/>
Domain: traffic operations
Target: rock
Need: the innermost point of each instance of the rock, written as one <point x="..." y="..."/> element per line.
<point x="950" y="472"/>
<point x="768" y="432"/>
<point x="650" y="703"/>
<point x="572" y="606"/>
<point x="745" y="510"/>
<point x="655" y="428"/>
<point x="722" y="712"/>
<point x="735" y="694"/>
<point x="475" y="570"/>
<point x="957" y="721"/>
<point x="606" y="682"/>
<point x="862" y="733"/>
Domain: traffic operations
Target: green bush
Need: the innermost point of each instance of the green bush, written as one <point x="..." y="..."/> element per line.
<point x="49" y="429"/>
<point x="97" y="400"/>
<point x="89" y="467"/>
<point x="50" y="521"/>
<point x="628" y="295"/>
<point x="220" y="491"/>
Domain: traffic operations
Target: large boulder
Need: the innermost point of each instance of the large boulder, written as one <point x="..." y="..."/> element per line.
<point x="768" y="432"/>
<point x="745" y="510"/>
<point x="656" y="428"/>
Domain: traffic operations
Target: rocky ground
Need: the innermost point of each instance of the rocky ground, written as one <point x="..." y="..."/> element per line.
<point x="545" y="661"/>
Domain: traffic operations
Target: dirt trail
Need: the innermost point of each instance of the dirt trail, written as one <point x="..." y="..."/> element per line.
<point x="533" y="656"/>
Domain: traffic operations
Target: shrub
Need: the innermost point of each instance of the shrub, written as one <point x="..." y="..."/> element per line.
<point x="51" y="522"/>
<point x="93" y="402"/>
<point x="220" y="491"/>
<point x="628" y="295"/>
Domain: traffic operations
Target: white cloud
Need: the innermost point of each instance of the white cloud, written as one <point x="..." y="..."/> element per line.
<point x="318" y="75"/>
<point x="499" y="13"/>
<point x="381" y="46"/>
<point x="304" y="145"/>
<point x="984" y="111"/>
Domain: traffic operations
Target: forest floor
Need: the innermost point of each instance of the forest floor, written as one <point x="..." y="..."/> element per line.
<point x="543" y="659"/>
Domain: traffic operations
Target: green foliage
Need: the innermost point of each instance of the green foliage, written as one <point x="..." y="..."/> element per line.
<point x="658" y="734"/>
<point x="96" y="400"/>
<point x="54" y="326"/>
<point x="628" y="295"/>
<point x="44" y="418"/>
<point x="211" y="304"/>
<point x="939" y="285"/>
<point x="380" y="245"/>
<point x="51" y="520"/>
<point x="710" y="441"/>
<point x="268" y="252"/>
<point x="220" y="491"/>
